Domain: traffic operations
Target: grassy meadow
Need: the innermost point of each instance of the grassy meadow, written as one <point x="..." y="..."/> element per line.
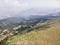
<point x="48" y="36"/>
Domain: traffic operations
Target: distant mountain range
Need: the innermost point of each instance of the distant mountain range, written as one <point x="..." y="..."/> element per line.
<point x="40" y="12"/>
<point x="15" y="21"/>
<point x="31" y="11"/>
<point x="19" y="18"/>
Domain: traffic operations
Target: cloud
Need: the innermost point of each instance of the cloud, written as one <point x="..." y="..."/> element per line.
<point x="13" y="7"/>
<point x="10" y="8"/>
<point x="42" y="3"/>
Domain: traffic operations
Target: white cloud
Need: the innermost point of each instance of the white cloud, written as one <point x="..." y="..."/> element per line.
<point x="12" y="7"/>
<point x="45" y="4"/>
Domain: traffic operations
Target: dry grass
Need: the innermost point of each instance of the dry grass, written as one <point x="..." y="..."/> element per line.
<point x="50" y="36"/>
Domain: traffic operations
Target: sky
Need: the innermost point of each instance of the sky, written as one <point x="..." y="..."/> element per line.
<point x="12" y="7"/>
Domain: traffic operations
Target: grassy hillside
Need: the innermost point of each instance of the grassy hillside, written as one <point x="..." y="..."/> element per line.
<point x="40" y="36"/>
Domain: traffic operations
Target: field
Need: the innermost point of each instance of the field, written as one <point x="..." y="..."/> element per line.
<point x="48" y="36"/>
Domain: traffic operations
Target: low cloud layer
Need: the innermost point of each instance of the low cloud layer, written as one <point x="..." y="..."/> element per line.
<point x="10" y="7"/>
<point x="13" y="7"/>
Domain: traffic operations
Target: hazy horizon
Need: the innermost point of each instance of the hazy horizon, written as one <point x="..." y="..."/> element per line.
<point x="10" y="8"/>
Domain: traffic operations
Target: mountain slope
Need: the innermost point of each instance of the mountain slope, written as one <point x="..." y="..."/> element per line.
<point x="11" y="22"/>
<point x="49" y="36"/>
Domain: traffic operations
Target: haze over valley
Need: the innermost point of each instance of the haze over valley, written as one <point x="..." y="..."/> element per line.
<point x="29" y="22"/>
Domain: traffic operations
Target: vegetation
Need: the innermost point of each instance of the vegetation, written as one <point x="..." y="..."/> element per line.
<point x="37" y="31"/>
<point x="46" y="36"/>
